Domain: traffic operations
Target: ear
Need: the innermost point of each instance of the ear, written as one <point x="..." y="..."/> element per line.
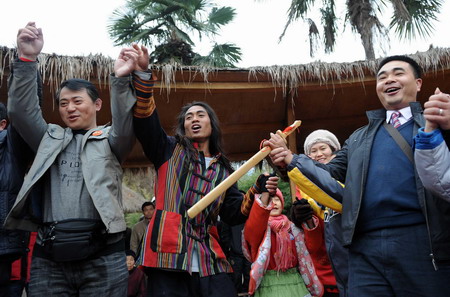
<point x="419" y="84"/>
<point x="98" y="104"/>
<point x="3" y="124"/>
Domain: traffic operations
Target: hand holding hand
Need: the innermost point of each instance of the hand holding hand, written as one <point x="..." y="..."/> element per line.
<point x="280" y="155"/>
<point x="30" y="41"/>
<point x="261" y="181"/>
<point x="437" y="111"/>
<point x="142" y="61"/>
<point x="126" y="62"/>
<point x="272" y="185"/>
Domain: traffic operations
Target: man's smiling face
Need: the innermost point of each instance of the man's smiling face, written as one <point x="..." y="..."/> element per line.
<point x="397" y="85"/>
<point x="77" y="110"/>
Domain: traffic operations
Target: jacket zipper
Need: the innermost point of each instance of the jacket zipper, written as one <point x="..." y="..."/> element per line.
<point x="364" y="172"/>
<point x="433" y="261"/>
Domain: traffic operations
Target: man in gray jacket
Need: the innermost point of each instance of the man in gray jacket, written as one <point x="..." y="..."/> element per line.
<point x="79" y="218"/>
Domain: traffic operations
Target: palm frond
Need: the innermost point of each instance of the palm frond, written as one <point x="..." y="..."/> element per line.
<point x="296" y="10"/>
<point x="221" y="55"/>
<point x="221" y="16"/>
<point x="422" y="15"/>
<point x="329" y="26"/>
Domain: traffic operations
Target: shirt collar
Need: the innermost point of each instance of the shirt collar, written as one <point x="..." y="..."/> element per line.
<point x="405" y="114"/>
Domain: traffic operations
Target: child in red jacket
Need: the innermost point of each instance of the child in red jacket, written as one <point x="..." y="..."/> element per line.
<point x="277" y="250"/>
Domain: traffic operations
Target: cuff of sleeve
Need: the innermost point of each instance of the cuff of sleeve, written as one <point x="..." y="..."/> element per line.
<point x="143" y="75"/>
<point x="428" y="140"/>
<point x="293" y="162"/>
<point x="315" y="222"/>
<point x="145" y="103"/>
<point x="260" y="204"/>
<point x="248" y="200"/>
<point x="25" y="60"/>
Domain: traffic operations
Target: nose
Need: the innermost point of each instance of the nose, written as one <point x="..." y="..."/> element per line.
<point x="70" y="107"/>
<point x="390" y="79"/>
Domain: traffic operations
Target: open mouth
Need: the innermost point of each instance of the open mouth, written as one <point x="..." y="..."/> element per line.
<point x="196" y="128"/>
<point x="391" y="90"/>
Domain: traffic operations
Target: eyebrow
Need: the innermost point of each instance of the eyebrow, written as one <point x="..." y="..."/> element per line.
<point x="196" y="112"/>
<point x="71" y="98"/>
<point x="394" y="69"/>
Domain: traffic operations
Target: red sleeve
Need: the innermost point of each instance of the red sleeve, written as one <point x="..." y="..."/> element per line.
<point x="314" y="238"/>
<point x="256" y="226"/>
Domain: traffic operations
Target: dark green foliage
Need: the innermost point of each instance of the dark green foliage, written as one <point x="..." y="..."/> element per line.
<point x="174" y="50"/>
<point x="249" y="179"/>
<point x="169" y="25"/>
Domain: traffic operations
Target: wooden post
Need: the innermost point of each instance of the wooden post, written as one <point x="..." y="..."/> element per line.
<point x="292" y="139"/>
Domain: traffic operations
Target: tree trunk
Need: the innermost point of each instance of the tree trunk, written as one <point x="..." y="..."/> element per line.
<point x="363" y="20"/>
<point x="367" y="42"/>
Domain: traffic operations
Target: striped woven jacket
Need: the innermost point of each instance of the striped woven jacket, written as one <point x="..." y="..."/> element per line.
<point x="171" y="237"/>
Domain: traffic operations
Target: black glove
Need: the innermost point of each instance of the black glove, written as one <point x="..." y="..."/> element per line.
<point x="261" y="182"/>
<point x="301" y="211"/>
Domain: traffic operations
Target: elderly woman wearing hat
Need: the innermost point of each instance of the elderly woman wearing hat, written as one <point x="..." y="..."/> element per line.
<point x="324" y="244"/>
<point x="321" y="145"/>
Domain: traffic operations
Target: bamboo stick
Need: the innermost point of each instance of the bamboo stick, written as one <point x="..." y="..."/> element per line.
<point x="235" y="176"/>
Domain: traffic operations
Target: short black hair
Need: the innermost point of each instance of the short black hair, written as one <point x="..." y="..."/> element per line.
<point x="3" y="114"/>
<point x="415" y="66"/>
<point x="130" y="253"/>
<point x="147" y="203"/>
<point x="76" y="84"/>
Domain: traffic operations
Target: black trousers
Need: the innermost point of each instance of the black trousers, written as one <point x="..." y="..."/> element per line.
<point x="241" y="276"/>
<point x="167" y="283"/>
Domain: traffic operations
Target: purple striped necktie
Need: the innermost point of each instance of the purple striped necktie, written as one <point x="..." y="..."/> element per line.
<point x="394" y="119"/>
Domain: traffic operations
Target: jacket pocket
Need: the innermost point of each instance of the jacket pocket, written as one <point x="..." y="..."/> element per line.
<point x="168" y="234"/>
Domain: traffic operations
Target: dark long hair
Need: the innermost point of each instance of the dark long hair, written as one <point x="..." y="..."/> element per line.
<point x="215" y="140"/>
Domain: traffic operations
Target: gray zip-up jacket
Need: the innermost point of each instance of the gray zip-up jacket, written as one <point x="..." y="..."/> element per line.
<point x="103" y="149"/>
<point x="432" y="158"/>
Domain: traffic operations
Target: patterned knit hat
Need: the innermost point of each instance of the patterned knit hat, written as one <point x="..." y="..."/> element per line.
<point x="324" y="136"/>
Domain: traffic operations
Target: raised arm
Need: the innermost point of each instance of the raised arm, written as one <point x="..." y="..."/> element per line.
<point x="432" y="156"/>
<point x="256" y="225"/>
<point x="437" y="111"/>
<point x="23" y="102"/>
<point x="147" y="127"/>
<point x="131" y="60"/>
<point x="313" y="178"/>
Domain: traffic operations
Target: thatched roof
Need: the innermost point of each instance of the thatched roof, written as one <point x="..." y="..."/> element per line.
<point x="132" y="201"/>
<point x="56" y="68"/>
<point x="250" y="102"/>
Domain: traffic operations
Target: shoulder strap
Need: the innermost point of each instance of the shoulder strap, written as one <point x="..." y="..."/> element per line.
<point x="400" y="140"/>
